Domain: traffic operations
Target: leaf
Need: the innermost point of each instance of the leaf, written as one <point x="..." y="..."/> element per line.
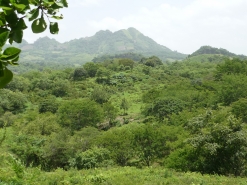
<point x="11" y="18"/>
<point x="19" y="7"/>
<point x="54" y="28"/>
<point x="3" y="38"/>
<point x="11" y="40"/>
<point x="59" y="4"/>
<point x="10" y="53"/>
<point x="33" y="14"/>
<point x="65" y="3"/>
<point x="6" y="8"/>
<point x="39" y="25"/>
<point x="52" y="11"/>
<point x="6" y="78"/>
<point x="21" y="25"/>
<point x="57" y="17"/>
<point x="17" y="36"/>
<point x="48" y="3"/>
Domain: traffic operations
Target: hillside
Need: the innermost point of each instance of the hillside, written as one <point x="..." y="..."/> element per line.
<point x="82" y="50"/>
<point x="208" y="50"/>
<point x="122" y="41"/>
<point x="128" y="122"/>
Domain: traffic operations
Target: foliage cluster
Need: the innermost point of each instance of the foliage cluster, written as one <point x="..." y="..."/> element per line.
<point x="179" y="115"/>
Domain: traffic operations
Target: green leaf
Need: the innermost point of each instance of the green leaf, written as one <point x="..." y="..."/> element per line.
<point x="3" y="38"/>
<point x="6" y="78"/>
<point x="15" y="60"/>
<point x="33" y="14"/>
<point x="19" y="7"/>
<point x="65" y="3"/>
<point x="21" y="25"/>
<point x="17" y="36"/>
<point x="11" y="18"/>
<point x="39" y="25"/>
<point x="2" y="19"/>
<point x="11" y="40"/>
<point x="13" y="63"/>
<point x="6" y="8"/>
<point x="48" y="3"/>
<point x="10" y="53"/>
<point x="54" y="28"/>
<point x="57" y="17"/>
<point x="52" y="11"/>
<point x="59" y="4"/>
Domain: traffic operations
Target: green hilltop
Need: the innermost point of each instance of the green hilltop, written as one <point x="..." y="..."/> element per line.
<point x="208" y="50"/>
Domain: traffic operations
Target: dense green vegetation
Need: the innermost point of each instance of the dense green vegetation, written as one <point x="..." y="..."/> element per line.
<point x="120" y="121"/>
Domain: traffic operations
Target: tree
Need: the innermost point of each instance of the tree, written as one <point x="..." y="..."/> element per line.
<point x="118" y="141"/>
<point x="124" y="105"/>
<point x="91" y="158"/>
<point x="151" y="95"/>
<point x="233" y="87"/>
<point x="91" y="68"/>
<point x="231" y="66"/>
<point x="80" y="113"/>
<point x="217" y="147"/>
<point x="100" y="95"/>
<point x="126" y="62"/>
<point x="110" y="111"/>
<point x="48" y="104"/>
<point x="151" y="61"/>
<point x="79" y="74"/>
<point x="165" y="107"/>
<point x="150" y="143"/>
<point x="14" y="102"/>
<point x="12" y="24"/>
<point x="239" y="109"/>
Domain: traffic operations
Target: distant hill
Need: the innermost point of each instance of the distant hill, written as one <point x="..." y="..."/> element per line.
<point x="122" y="41"/>
<point x="102" y="43"/>
<point x="215" y="51"/>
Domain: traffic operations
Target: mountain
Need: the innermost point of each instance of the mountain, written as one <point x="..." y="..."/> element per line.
<point x="122" y="41"/>
<point x="102" y="43"/>
<point x="208" y="50"/>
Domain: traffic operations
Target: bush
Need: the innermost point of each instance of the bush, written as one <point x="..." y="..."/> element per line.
<point x="91" y="158"/>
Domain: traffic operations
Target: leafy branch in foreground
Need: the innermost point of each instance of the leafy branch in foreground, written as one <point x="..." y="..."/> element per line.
<point x="12" y="23"/>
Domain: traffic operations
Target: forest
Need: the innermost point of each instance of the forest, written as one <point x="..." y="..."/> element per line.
<point x="126" y="119"/>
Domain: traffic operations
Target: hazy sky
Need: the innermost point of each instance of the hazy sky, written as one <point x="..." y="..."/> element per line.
<point x="182" y="25"/>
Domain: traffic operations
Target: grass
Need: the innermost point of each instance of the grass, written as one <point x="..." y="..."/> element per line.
<point x="116" y="176"/>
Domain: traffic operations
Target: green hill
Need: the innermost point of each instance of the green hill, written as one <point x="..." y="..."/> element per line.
<point x="82" y="50"/>
<point x="208" y="50"/>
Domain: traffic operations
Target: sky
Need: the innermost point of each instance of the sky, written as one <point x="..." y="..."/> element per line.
<point x="181" y="25"/>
